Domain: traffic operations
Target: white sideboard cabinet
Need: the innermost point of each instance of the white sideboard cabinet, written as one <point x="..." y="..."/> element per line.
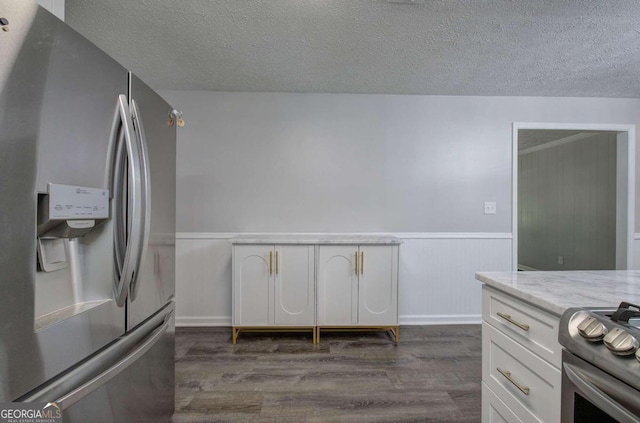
<point x="297" y="282"/>
<point x="358" y="286"/>
<point x="273" y="286"/>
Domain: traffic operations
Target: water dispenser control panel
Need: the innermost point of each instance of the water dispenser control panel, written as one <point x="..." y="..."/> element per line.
<point x="69" y="202"/>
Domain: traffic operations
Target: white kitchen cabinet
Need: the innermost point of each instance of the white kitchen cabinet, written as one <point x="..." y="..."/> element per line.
<point x="337" y="285"/>
<point x="358" y="287"/>
<point x="273" y="288"/>
<point x="313" y="282"/>
<point x="378" y="285"/>
<point x="295" y="288"/>
<point x="521" y="360"/>
<point x="494" y="410"/>
<point x="253" y="284"/>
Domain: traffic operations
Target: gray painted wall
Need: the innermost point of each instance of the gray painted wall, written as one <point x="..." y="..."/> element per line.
<point x="567" y="205"/>
<point x="282" y="162"/>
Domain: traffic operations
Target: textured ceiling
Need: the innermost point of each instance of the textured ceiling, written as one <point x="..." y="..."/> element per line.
<point x="459" y="47"/>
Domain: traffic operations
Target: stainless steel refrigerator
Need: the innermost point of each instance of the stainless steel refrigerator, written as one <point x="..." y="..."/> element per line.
<point x="87" y="227"/>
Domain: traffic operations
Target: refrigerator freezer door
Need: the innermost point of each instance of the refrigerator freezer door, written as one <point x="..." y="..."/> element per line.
<point x="130" y="381"/>
<point x="142" y="393"/>
<point x="58" y="94"/>
<point x="155" y="282"/>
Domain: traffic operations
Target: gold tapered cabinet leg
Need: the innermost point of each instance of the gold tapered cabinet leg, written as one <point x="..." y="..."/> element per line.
<point x="397" y="334"/>
<point x="234" y="335"/>
<point x="314" y="335"/>
<point x="317" y="335"/>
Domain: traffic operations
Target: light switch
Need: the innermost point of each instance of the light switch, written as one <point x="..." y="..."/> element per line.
<point x="489" y="207"/>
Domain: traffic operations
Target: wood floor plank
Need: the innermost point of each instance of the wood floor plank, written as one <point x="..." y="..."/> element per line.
<point x="433" y="375"/>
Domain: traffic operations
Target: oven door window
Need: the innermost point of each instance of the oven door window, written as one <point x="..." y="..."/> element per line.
<point x="585" y="412"/>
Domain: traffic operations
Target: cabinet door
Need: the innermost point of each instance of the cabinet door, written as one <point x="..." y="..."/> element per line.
<point x="378" y="292"/>
<point x="253" y="282"/>
<point x="494" y="410"/>
<point x="337" y="285"/>
<point x="295" y="300"/>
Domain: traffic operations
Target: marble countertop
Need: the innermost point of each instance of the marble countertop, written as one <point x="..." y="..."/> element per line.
<point x="558" y="291"/>
<point x="315" y="239"/>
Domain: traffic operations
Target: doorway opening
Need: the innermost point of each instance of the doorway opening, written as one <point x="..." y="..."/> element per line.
<point x="573" y="196"/>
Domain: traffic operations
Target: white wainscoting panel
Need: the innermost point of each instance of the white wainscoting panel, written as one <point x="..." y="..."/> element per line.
<point x="436" y="277"/>
<point x="203" y="282"/>
<point x="636" y="252"/>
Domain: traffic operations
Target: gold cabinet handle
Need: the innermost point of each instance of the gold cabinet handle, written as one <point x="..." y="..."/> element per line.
<point x="507" y="375"/>
<point x="356" y="262"/>
<point x="362" y="262"/>
<point x="508" y="318"/>
<point x="271" y="262"/>
<point x="277" y="266"/>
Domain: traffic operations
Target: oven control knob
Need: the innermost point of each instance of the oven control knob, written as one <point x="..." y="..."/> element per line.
<point x="592" y="330"/>
<point x="621" y="342"/>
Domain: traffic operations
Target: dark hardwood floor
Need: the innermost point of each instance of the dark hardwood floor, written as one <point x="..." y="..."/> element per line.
<point x="433" y="375"/>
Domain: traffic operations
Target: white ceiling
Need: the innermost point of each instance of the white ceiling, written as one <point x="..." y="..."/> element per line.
<point x="530" y="138"/>
<point x="459" y="47"/>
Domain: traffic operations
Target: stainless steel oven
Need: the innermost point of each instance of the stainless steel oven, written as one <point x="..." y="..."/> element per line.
<point x="590" y="395"/>
<point x="600" y="366"/>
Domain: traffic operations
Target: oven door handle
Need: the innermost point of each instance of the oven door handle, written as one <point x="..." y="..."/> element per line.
<point x="597" y="396"/>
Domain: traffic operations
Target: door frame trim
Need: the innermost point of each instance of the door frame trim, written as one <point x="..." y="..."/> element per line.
<point x="630" y="129"/>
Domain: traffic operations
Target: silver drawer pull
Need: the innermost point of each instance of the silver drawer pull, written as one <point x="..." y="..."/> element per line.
<point x="508" y="318"/>
<point x="507" y="375"/>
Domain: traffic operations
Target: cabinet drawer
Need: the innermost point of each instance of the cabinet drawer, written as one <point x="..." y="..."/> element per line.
<point x="527" y="324"/>
<point x="525" y="383"/>
<point x="494" y="410"/>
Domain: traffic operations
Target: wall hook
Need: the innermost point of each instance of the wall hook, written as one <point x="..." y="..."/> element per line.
<point x="176" y="116"/>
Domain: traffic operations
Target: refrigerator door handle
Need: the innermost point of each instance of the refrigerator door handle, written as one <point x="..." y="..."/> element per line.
<point x="120" y="227"/>
<point x="145" y="194"/>
<point x="70" y="398"/>
<point x="127" y="263"/>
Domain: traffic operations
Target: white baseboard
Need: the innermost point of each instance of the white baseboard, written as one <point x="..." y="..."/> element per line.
<point x="449" y="319"/>
<point x="191" y="321"/>
<point x="464" y="319"/>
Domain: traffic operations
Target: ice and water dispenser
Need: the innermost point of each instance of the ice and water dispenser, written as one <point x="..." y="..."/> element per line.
<point x="66" y="212"/>
<point x="72" y="245"/>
